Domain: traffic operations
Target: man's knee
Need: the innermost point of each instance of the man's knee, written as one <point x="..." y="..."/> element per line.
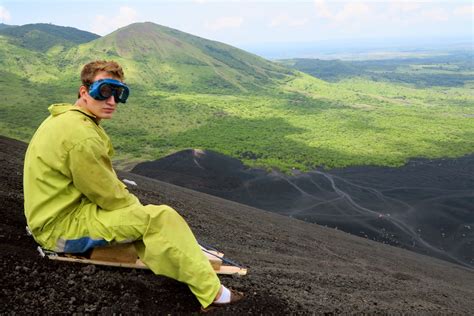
<point x="163" y="212"/>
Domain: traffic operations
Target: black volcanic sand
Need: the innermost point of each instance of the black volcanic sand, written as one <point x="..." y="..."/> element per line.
<point x="426" y="206"/>
<point x="294" y="266"/>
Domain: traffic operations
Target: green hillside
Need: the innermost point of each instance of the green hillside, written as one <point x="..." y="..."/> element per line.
<point x="162" y="58"/>
<point x="33" y="66"/>
<point x="189" y="92"/>
<point x="4" y="26"/>
<point x="42" y="37"/>
<point x="447" y="70"/>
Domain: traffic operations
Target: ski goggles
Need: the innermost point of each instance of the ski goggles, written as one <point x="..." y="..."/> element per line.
<point x="105" y="88"/>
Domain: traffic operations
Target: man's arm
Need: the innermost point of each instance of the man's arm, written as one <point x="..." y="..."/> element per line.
<point x="93" y="175"/>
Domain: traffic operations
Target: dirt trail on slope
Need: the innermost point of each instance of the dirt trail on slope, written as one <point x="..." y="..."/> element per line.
<point x="426" y="206"/>
<point x="293" y="266"/>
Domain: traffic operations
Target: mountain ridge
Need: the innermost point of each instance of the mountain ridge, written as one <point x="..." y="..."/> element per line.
<point x="4" y="26"/>
<point x="164" y="52"/>
<point x="42" y="36"/>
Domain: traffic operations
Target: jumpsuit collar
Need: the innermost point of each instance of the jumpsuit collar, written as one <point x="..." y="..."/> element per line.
<point x="60" y="108"/>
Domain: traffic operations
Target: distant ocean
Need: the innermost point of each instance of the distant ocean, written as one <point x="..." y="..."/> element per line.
<point x="351" y="49"/>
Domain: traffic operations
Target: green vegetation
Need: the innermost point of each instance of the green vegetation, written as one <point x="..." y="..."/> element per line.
<point x="4" y="26"/>
<point x="449" y="70"/>
<point x="41" y="36"/>
<point x="189" y="92"/>
<point x="322" y="124"/>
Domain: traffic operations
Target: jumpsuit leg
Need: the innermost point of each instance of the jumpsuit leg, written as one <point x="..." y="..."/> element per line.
<point x="163" y="240"/>
<point x="169" y="248"/>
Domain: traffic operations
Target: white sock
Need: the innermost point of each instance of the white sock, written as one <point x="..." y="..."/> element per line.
<point x="225" y="296"/>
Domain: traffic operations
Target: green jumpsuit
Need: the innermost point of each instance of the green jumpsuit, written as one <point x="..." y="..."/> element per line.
<point x="74" y="201"/>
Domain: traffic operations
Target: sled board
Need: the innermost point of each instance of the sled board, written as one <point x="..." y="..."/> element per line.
<point x="125" y="256"/>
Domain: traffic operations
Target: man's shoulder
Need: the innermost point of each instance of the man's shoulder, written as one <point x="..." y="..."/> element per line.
<point x="74" y="122"/>
<point x="70" y="128"/>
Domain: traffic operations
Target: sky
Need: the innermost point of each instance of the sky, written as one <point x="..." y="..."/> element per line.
<point x="244" y="22"/>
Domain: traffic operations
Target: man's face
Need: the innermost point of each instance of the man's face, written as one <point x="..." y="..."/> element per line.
<point x="102" y="109"/>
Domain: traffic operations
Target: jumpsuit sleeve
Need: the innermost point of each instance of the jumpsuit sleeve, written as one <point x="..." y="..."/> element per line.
<point x="92" y="174"/>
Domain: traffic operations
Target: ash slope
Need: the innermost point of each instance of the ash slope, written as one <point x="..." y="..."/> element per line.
<point x="426" y="206"/>
<point x="294" y="266"/>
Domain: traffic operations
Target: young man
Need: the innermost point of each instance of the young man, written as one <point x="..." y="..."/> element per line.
<point x="74" y="200"/>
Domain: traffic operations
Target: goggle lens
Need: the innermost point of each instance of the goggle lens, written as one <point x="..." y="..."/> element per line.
<point x="119" y="93"/>
<point x="106" y="91"/>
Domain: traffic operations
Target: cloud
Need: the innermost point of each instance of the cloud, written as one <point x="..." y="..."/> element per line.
<point x="436" y="15"/>
<point x="286" y="20"/>
<point x="464" y="10"/>
<point x="105" y="24"/>
<point x="225" y="22"/>
<point x="401" y="13"/>
<point x="348" y="18"/>
<point x="356" y="10"/>
<point x="4" y="15"/>
<point x="322" y="10"/>
<point x="350" y="11"/>
<point x="403" y="7"/>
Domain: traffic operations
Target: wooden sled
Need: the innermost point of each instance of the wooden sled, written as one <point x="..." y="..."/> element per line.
<point x="125" y="256"/>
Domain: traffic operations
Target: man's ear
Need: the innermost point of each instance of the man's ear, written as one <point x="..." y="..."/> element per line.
<point x="82" y="92"/>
